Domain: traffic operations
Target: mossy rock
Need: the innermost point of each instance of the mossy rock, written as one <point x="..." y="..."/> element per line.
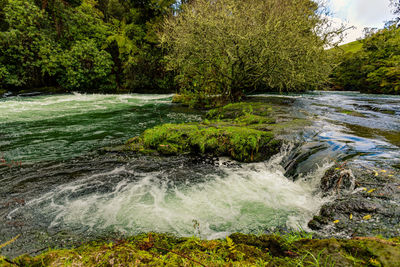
<point x="350" y="112"/>
<point x="199" y="102"/>
<point x="274" y="244"/>
<point x="245" y="131"/>
<point x="154" y="249"/>
<point x="240" y="143"/>
<point x="362" y="251"/>
<point x="236" y="110"/>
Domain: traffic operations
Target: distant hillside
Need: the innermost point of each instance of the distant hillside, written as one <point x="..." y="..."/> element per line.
<point x="352" y="47"/>
<point x="370" y="65"/>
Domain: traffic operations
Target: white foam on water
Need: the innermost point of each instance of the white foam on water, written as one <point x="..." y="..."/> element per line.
<point x="55" y="106"/>
<point x="250" y="198"/>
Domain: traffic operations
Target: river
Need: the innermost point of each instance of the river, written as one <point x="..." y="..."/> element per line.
<point x="58" y="187"/>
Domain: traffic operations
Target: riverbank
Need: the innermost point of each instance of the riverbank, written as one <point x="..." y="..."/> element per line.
<point x="151" y="249"/>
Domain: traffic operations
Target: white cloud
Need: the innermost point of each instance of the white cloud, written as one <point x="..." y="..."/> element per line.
<point x="360" y="14"/>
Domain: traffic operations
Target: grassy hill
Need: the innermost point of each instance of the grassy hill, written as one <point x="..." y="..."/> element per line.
<point x="352" y="47"/>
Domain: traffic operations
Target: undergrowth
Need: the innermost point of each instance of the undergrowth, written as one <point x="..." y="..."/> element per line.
<point x="154" y="249"/>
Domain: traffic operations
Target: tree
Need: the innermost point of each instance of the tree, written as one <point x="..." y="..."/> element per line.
<point x="376" y="67"/>
<point x="133" y="43"/>
<point x="83" y="45"/>
<point x="230" y="47"/>
<point x="396" y="7"/>
<point x="22" y="44"/>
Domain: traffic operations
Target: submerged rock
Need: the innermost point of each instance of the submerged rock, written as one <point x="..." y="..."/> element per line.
<point x="337" y="180"/>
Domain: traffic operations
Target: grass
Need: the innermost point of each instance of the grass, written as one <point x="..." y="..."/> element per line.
<point x="352" y="47"/>
<point x="154" y="249"/>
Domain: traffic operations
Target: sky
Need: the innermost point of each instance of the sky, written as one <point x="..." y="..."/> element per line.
<point x="361" y="14"/>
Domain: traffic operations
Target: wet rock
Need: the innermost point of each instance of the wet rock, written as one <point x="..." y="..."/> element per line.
<point x="296" y="163"/>
<point x="30" y="94"/>
<point x="367" y="203"/>
<point x="337" y="180"/>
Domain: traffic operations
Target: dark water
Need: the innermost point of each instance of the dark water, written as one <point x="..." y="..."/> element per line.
<point x="57" y="189"/>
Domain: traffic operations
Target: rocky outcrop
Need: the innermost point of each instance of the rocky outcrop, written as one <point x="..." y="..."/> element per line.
<point x="242" y="131"/>
<point x="366" y="202"/>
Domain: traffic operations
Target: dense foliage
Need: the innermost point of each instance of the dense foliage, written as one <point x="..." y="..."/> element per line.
<point x="230" y="48"/>
<point x="375" y="68"/>
<point x="152" y="249"/>
<point x="84" y="45"/>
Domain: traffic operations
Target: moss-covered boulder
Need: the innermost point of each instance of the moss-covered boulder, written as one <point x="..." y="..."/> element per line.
<point x="240" y="131"/>
<point x="240" y="143"/>
<point x="236" y="110"/>
<point x="199" y="101"/>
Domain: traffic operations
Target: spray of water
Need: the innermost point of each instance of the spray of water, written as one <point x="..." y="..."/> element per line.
<point x="249" y="198"/>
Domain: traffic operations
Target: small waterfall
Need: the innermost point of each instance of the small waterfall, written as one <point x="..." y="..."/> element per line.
<point x="231" y="197"/>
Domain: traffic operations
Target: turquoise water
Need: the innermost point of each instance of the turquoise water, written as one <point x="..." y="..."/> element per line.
<point x="62" y="191"/>
<point x="59" y="127"/>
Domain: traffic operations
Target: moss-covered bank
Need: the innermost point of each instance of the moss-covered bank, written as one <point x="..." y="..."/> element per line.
<point x="242" y="131"/>
<point x="237" y="250"/>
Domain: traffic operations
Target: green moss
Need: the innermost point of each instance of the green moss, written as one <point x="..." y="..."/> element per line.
<point x="237" y="250"/>
<point x="240" y="143"/>
<point x="286" y="126"/>
<point x="251" y="119"/>
<point x="245" y="131"/>
<point x="2" y="92"/>
<point x="198" y="101"/>
<point x="240" y="132"/>
<point x="350" y="112"/>
<point x="236" y="110"/>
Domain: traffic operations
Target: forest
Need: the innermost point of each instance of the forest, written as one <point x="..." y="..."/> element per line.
<point x="88" y="46"/>
<point x="198" y="48"/>
<point x="162" y="46"/>
<point x="373" y="66"/>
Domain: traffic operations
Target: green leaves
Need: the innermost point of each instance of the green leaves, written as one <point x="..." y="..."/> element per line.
<point x="229" y="47"/>
<point x="83" y="45"/>
<point x="84" y="67"/>
<point x="374" y="69"/>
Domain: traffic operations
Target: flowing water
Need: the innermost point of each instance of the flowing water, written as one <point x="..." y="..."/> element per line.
<point x="59" y="189"/>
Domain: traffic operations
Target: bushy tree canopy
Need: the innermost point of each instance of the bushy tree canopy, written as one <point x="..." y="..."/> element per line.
<point x="83" y="45"/>
<point x="230" y="47"/>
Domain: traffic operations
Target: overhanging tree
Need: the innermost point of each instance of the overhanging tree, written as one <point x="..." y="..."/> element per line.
<point x="229" y="47"/>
